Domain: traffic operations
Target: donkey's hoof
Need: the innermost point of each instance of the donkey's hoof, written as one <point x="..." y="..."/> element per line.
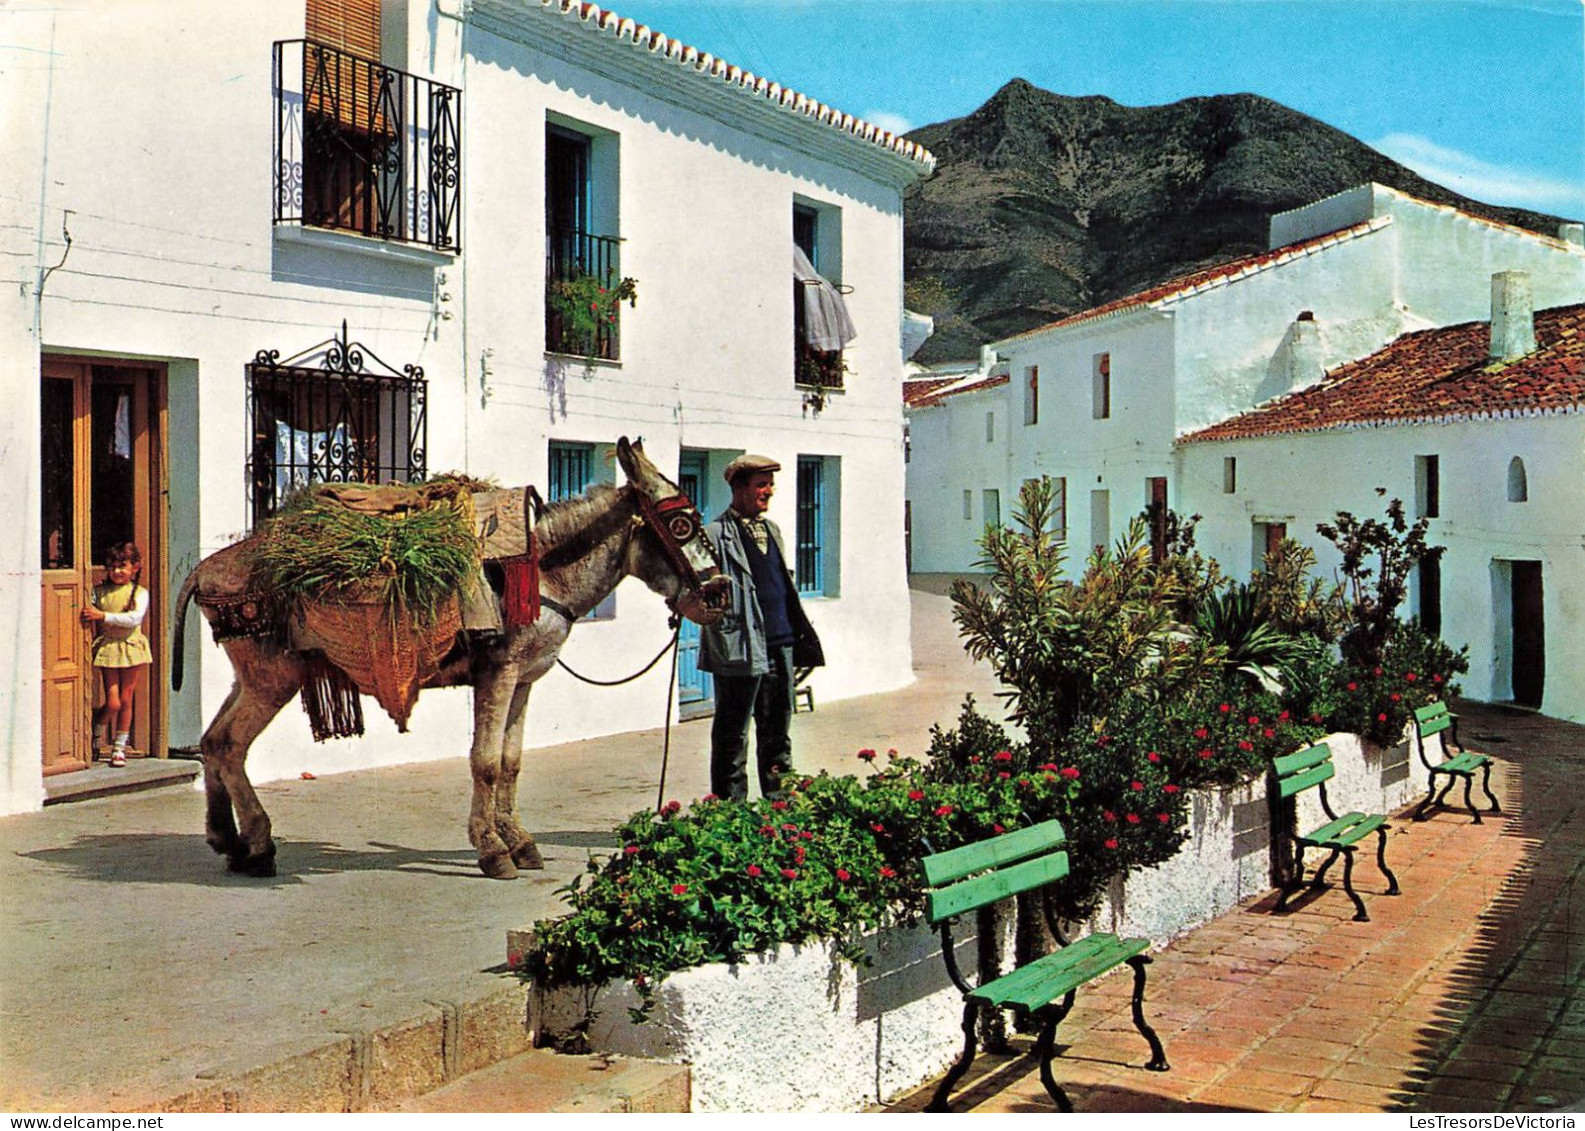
<point x="224" y="845"/>
<point x="526" y="855"/>
<point x="260" y="865"/>
<point x="498" y="866"/>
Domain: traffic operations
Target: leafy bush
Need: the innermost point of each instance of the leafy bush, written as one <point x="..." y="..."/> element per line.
<point x="1377" y="700"/>
<point x="1377" y="559"/>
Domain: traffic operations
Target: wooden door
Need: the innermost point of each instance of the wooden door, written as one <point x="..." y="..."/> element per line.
<point x="64" y="568"/>
<point x="102" y="480"/>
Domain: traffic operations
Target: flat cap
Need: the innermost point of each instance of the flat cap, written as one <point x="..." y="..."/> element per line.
<point x="746" y="465"/>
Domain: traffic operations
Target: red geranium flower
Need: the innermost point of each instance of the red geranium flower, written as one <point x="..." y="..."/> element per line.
<point x="1108" y="814"/>
<point x="1153" y="756"/>
<point x="631" y="849"/>
<point x="753" y="870"/>
<point x="789" y="873"/>
<point x="944" y="811"/>
<point x="1225" y="708"/>
<point x="1381" y="718"/>
<point x="867" y="755"/>
<point x="1396" y="697"/>
<point x="1170" y="788"/>
<point x="1003" y="756"/>
<point x="1163" y="818"/>
<point x="1111" y="842"/>
<point x="1048" y="766"/>
<point x="1269" y="732"/>
<point x="1003" y="775"/>
<point x="1133" y="818"/>
<point x="1352" y="686"/>
<point x="844" y="875"/>
<point x="878" y="827"/>
<point x="1254" y="720"/>
<point x="1410" y="676"/>
<point x="997" y="829"/>
<point x="709" y="797"/>
<point x="778" y="805"/>
<point x="1245" y="744"/>
<point x="1436" y="678"/>
<point x="679" y="889"/>
<point x="1070" y="772"/>
<point x="1207" y="752"/>
<point x="1375" y="671"/>
<point x="1282" y="718"/>
<point x="1136" y="786"/>
<point x="1201" y="732"/>
<point x="887" y="873"/>
<point x="916" y="795"/>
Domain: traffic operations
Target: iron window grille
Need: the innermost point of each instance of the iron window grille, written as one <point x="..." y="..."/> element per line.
<point x="365" y="148"/>
<point x="324" y="416"/>
<point x="572" y="254"/>
<point x="810" y="550"/>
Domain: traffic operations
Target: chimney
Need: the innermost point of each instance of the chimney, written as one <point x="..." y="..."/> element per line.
<point x="1512" y="316"/>
<point x="1305" y="363"/>
<point x="987" y="358"/>
<point x="1572" y="234"/>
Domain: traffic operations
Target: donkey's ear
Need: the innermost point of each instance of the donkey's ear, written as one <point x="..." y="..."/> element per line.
<point x="625" y="456"/>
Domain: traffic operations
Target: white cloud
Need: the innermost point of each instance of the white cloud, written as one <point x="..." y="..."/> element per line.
<point x="886" y="120"/>
<point x="1482" y="180"/>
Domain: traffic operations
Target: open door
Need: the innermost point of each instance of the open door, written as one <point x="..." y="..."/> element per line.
<point x="101" y="481"/>
<point x="1529" y="634"/>
<point x="695" y="689"/>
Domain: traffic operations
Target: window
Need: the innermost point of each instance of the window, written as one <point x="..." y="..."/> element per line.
<point x="324" y="417"/>
<point x="821" y="326"/>
<point x="1229" y="475"/>
<point x="819" y="487"/>
<point x="572" y="471"/>
<point x="1031" y="395"/>
<point x="1059" y="509"/>
<point x="1100" y="519"/>
<point x="1427" y="486"/>
<point x="1101" y="387"/>
<point x="968" y="505"/>
<point x="990" y="427"/>
<point x="1429" y="600"/>
<point x="582" y="247"/>
<point x="992" y="502"/>
<point x="1518" y="483"/>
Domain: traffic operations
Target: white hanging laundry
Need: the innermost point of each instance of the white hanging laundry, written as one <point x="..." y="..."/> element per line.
<point x="826" y="322"/>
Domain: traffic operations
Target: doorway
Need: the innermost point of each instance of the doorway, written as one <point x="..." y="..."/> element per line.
<point x="695" y="688"/>
<point x="102" y="427"/>
<point x="1529" y="634"/>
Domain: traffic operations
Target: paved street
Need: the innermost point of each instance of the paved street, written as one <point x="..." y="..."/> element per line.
<point x="135" y="972"/>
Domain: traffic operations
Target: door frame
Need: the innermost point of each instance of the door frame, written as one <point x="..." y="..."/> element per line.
<point x="150" y="438"/>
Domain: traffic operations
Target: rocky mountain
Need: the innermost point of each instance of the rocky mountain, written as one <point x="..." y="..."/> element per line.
<point x="1042" y="204"/>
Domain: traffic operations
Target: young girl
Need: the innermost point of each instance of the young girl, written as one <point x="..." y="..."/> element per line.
<point x="120" y="649"/>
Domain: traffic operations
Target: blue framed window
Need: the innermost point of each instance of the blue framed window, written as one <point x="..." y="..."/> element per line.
<point x="811" y="572"/>
<point x="572" y="466"/>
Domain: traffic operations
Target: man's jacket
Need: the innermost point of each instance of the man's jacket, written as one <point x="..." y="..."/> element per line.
<point x="735" y="644"/>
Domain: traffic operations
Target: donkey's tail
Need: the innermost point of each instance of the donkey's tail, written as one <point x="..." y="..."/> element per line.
<point x="180" y="627"/>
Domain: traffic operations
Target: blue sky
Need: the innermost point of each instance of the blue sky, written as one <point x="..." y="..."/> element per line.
<point x="1484" y="97"/>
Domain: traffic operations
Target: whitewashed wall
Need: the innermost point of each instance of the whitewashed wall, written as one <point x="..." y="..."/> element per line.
<point x="951" y="455"/>
<point x="151" y="139"/>
<point x="1277" y="480"/>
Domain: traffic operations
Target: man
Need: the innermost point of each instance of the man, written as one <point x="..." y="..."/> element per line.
<point x="763" y="637"/>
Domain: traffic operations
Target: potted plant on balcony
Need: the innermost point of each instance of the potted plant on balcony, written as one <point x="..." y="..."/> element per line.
<point x="584" y="312"/>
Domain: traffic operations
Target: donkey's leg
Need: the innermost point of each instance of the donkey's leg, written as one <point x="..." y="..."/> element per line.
<point x="266" y="680"/>
<point x="525" y="853"/>
<point x="220" y="827"/>
<point x="494" y="687"/>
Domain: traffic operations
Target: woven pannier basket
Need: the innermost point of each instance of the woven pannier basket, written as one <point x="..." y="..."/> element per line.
<point x="388" y="654"/>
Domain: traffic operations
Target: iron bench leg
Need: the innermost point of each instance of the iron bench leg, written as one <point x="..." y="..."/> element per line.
<point x="1046" y="1048"/>
<point x="1158" y="1055"/>
<point x="1485" y="784"/>
<point x="1469" y="802"/>
<point x="1381" y="860"/>
<point x="938" y="1102"/>
<point x="1360" y="914"/>
<point x="1295" y="882"/>
<point x="1420" y="813"/>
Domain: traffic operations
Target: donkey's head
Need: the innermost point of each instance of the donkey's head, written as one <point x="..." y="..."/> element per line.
<point x="672" y="554"/>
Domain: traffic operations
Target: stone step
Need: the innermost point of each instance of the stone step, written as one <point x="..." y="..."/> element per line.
<point x="104" y="780"/>
<point x="544" y="1081"/>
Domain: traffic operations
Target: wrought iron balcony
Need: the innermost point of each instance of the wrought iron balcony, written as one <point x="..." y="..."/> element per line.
<point x="574" y="261"/>
<point x="365" y="148"/>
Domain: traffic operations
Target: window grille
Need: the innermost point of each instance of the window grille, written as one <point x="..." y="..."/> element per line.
<point x="811" y="525"/>
<point x="325" y="416"/>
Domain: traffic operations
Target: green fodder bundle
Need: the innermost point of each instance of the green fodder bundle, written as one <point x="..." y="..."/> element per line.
<point x="317" y="549"/>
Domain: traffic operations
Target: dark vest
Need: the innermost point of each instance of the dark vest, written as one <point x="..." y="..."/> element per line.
<point x="770" y="584"/>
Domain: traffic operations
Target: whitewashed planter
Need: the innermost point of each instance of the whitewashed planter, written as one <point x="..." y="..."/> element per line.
<point x="795" y="1030"/>
<point x="800" y="1030"/>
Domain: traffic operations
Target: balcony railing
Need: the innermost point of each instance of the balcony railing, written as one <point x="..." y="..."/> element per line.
<point x="571" y="256"/>
<point x="365" y="148"/>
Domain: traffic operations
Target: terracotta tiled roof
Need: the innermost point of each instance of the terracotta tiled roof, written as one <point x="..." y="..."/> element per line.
<point x="920" y="389"/>
<point x="940" y="394"/>
<point x="1220" y="275"/>
<point x="1431" y="375"/>
<point x="656" y="43"/>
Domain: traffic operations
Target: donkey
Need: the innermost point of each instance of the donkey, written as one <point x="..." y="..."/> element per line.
<point x="646" y="529"/>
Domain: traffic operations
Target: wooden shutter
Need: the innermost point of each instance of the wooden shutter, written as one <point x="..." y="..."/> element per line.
<point x="352" y="25"/>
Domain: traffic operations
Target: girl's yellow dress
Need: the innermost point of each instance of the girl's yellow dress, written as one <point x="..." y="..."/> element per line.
<point x="116" y="646"/>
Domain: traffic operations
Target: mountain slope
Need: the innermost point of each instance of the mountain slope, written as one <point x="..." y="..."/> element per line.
<point x="1042" y="204"/>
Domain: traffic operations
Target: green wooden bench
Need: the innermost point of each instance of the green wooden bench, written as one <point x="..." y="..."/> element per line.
<point x="977" y="875"/>
<point x="1435" y="718"/>
<point x="1311" y="768"/>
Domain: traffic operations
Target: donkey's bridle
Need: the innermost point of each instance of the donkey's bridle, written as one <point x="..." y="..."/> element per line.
<point x="680" y="531"/>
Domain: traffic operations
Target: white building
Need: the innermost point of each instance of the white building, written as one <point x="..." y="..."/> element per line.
<point x="199" y="216"/>
<point x="1098" y="399"/>
<point x="1477" y="427"/>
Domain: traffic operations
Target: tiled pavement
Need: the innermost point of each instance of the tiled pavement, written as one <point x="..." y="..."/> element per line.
<point x="1459" y="995"/>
